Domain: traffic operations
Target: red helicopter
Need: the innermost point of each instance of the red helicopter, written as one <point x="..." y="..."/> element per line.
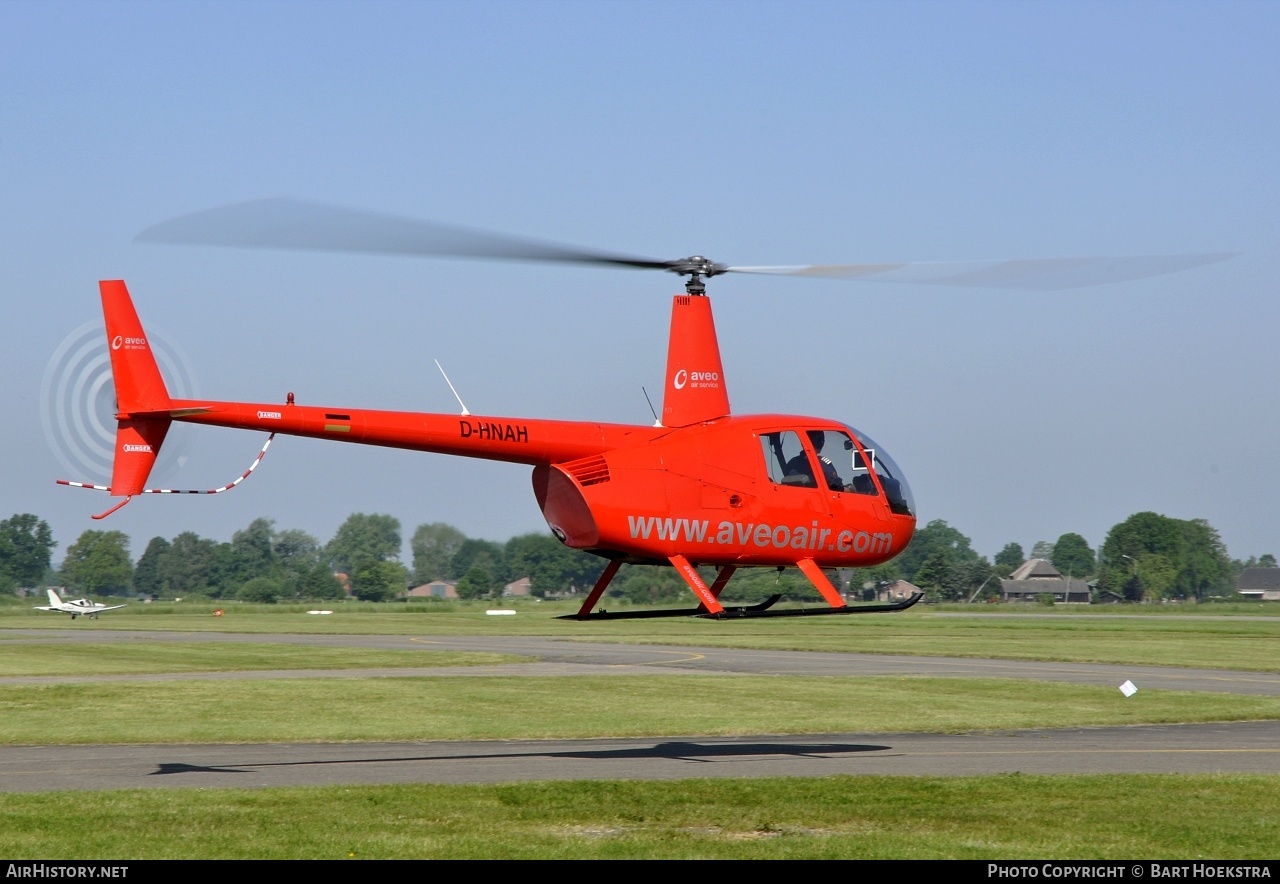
<point x="701" y="487"/>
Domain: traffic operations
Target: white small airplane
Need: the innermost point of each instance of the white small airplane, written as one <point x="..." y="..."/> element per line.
<point x="75" y="607"/>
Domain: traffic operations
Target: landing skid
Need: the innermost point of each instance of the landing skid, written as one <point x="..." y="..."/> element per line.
<point x="747" y="611"/>
<point x="808" y="612"/>
<point x="744" y="611"/>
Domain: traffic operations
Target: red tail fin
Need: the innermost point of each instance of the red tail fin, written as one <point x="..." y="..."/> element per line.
<point x="695" y="389"/>
<point x="142" y="401"/>
<point x="139" y="386"/>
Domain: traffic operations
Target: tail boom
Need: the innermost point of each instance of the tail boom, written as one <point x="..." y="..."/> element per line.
<point x="514" y="440"/>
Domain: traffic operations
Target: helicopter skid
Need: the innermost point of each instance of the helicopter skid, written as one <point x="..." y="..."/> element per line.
<point x="746" y="611"/>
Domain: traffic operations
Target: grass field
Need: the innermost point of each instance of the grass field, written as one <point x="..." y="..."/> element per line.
<point x="1006" y="817"/>
<point x="1237" y="636"/>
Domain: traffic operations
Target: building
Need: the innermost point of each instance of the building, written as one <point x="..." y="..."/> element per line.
<point x="1036" y="577"/>
<point x="897" y="591"/>
<point x="521" y="587"/>
<point x="1262" y="584"/>
<point x="436" y="589"/>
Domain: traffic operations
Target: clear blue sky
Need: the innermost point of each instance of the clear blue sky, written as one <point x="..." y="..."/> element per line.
<point x="751" y="132"/>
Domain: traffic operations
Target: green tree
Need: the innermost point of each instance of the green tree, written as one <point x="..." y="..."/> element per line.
<point x="1149" y="557"/>
<point x="364" y="540"/>
<point x="297" y="556"/>
<point x="946" y="577"/>
<point x="26" y="548"/>
<point x="1205" y="568"/>
<point x="648" y="585"/>
<point x="146" y="575"/>
<point x="262" y="590"/>
<point x="1042" y="549"/>
<point x="379" y="581"/>
<point x="754" y="585"/>
<point x="477" y="583"/>
<point x="1156" y="575"/>
<point x="296" y="550"/>
<point x="318" y="582"/>
<point x="98" y="563"/>
<point x="550" y="566"/>
<point x="434" y="545"/>
<point x="1073" y="557"/>
<point x="941" y="561"/>
<point x="253" y="552"/>
<point x="935" y="537"/>
<point x="1010" y="557"/>
<point x="484" y="554"/>
<point x="193" y="565"/>
<point x="1267" y="560"/>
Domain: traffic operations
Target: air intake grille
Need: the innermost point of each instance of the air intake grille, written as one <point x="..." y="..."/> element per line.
<point x="588" y="471"/>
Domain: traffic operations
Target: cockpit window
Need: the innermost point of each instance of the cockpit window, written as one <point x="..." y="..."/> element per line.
<point x="831" y="459"/>
<point x="839" y="460"/>
<point x="786" y="459"/>
<point x="895" y="487"/>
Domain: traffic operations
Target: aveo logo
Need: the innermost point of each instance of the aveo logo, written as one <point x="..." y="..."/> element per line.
<point x="698" y="379"/>
<point x="128" y="343"/>
<point x="143" y="448"/>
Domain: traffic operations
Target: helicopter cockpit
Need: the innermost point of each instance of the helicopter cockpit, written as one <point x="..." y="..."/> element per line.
<point x="841" y="465"/>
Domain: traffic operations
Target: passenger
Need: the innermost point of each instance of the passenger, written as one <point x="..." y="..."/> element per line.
<point x="862" y="481"/>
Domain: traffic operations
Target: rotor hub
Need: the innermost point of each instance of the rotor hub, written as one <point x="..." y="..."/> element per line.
<point x="695" y="267"/>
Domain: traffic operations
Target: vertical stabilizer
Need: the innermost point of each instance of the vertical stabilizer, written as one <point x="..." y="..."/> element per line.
<point x="142" y="401"/>
<point x="694" y="386"/>
<point x="139" y="386"/>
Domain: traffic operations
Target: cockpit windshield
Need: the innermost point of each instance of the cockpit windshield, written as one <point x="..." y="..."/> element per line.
<point x="830" y="459"/>
<point x="892" y="480"/>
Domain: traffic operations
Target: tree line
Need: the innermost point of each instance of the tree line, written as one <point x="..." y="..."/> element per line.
<point x="1147" y="557"/>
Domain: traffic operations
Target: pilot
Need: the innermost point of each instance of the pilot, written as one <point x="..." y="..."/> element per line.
<point x="829" y="471"/>
<point x="799" y="465"/>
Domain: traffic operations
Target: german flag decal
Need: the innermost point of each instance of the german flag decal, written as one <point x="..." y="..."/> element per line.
<point x="337" y="423"/>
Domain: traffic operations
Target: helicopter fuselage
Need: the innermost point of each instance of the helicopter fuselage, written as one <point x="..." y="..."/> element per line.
<point x="699" y="487"/>
<point x="639" y="493"/>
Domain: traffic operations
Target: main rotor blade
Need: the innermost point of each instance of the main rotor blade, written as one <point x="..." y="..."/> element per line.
<point x="284" y="223"/>
<point x="1039" y="274"/>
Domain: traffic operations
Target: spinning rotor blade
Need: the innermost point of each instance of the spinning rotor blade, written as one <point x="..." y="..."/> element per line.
<point x="282" y="223"/>
<point x="1039" y="274"/>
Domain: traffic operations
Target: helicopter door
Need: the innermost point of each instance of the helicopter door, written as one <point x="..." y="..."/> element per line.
<point x="786" y="460"/>
<point x="790" y="465"/>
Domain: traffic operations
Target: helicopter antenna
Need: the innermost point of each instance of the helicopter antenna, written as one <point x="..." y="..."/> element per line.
<point x="450" y="383"/>
<point x="657" y="422"/>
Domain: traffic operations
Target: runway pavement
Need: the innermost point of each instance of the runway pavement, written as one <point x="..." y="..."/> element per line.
<point x="1244" y="747"/>
<point x="1195" y="748"/>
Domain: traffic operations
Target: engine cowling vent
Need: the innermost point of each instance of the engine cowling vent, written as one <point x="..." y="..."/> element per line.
<point x="588" y="471"/>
